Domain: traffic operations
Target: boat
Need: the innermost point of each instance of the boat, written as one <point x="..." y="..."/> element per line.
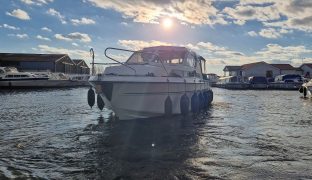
<point x="10" y="77"/>
<point x="80" y="79"/>
<point x="153" y="82"/>
<point x="306" y="89"/>
<point x="212" y="78"/>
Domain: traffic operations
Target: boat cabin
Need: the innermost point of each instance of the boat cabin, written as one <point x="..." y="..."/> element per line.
<point x="176" y="61"/>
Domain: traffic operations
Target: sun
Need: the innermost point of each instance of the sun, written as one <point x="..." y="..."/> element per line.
<point x="167" y="23"/>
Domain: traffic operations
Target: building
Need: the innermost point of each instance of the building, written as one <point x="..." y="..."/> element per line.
<point x="306" y="70"/>
<point x="263" y="69"/>
<point x="287" y="69"/>
<point x="61" y="63"/>
<point x="260" y="69"/>
<point x="232" y="70"/>
<point x="81" y="66"/>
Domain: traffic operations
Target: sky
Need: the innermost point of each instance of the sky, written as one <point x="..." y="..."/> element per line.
<point x="228" y="32"/>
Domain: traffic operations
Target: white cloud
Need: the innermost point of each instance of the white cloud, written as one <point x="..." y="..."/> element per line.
<point x="269" y="33"/>
<point x="57" y="14"/>
<point x="74" y="36"/>
<point x="74" y="53"/>
<point x="188" y="11"/>
<point x="241" y="14"/>
<point x="292" y="14"/>
<point x="82" y="21"/>
<point x="252" y="33"/>
<point x="18" y="13"/>
<point x="278" y="52"/>
<point x="43" y="38"/>
<point x="124" y="23"/>
<point x="61" y="37"/>
<point x="137" y="45"/>
<point x="46" y="29"/>
<point x="10" y="27"/>
<point x="36" y="2"/>
<point x="75" y="44"/>
<point x="80" y="36"/>
<point x="20" y="36"/>
<point x="273" y="33"/>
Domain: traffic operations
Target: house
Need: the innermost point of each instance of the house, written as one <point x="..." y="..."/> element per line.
<point x="260" y="69"/>
<point x="286" y="69"/>
<point x="232" y="70"/>
<point x="39" y="62"/>
<point x="306" y="70"/>
<point x="81" y="66"/>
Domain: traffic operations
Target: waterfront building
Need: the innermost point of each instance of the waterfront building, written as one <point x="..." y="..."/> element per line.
<point x="81" y="66"/>
<point x="61" y="63"/>
<point x="306" y="70"/>
<point x="287" y="69"/>
<point x="263" y="69"/>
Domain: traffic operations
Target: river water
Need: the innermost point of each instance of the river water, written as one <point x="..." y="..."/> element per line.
<point x="54" y="134"/>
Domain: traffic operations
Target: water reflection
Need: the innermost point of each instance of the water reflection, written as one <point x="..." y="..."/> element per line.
<point x="146" y="148"/>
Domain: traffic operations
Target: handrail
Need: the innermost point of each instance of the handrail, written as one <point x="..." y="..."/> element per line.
<point x="105" y="53"/>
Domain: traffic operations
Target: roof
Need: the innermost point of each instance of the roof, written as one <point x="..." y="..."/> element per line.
<point x="80" y="62"/>
<point x="232" y="68"/>
<point x="307" y="64"/>
<point x="284" y="66"/>
<point x="30" y="57"/>
<point x="250" y="65"/>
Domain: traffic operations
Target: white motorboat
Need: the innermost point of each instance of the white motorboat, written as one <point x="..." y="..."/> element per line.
<point x="155" y="81"/>
<point x="10" y="77"/>
<point x="306" y="89"/>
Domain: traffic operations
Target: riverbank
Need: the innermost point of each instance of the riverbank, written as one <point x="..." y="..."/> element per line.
<point x="269" y="86"/>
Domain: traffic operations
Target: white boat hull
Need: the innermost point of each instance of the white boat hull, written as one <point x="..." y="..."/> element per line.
<point x="133" y="100"/>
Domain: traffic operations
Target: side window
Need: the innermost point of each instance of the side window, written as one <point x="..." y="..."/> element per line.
<point x="190" y="61"/>
<point x="1" y="71"/>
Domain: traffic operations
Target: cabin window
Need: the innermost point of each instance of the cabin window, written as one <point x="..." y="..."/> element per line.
<point x="9" y="76"/>
<point x="198" y="68"/>
<point x="1" y="71"/>
<point x="190" y="60"/>
<point x="138" y="57"/>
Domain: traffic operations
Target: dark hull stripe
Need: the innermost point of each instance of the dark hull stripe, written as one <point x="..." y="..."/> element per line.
<point x="24" y="79"/>
<point x="155" y="93"/>
<point x="100" y="82"/>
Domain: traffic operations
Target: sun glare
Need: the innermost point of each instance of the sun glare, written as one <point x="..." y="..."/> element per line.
<point x="167" y="23"/>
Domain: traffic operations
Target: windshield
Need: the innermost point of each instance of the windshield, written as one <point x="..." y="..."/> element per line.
<point x="170" y="57"/>
<point x="10" y="69"/>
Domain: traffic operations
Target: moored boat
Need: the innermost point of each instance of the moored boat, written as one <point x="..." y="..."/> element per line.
<point x="10" y="77"/>
<point x="153" y="82"/>
<point x="306" y="89"/>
